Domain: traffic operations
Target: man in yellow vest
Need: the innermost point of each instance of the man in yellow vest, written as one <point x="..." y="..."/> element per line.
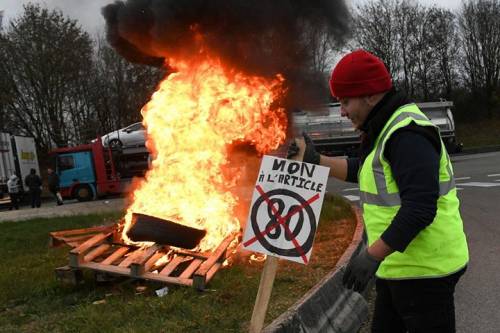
<point x="416" y="246"/>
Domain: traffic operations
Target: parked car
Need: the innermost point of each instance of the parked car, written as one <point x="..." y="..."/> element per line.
<point x="334" y="135"/>
<point x="132" y="135"/>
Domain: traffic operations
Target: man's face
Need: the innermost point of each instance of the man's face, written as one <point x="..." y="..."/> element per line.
<point x="356" y="109"/>
<point x="50" y="171"/>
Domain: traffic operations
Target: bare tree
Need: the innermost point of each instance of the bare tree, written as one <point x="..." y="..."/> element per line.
<point x="119" y="88"/>
<point x="445" y="46"/>
<point x="480" y="34"/>
<point x="376" y="31"/>
<point x="44" y="56"/>
<point x="414" y="41"/>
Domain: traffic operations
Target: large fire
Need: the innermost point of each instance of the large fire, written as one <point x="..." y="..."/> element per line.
<point x="192" y="120"/>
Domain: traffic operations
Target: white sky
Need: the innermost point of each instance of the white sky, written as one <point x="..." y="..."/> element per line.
<point x="88" y="12"/>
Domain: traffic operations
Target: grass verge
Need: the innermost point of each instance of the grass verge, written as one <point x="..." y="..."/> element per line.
<point x="32" y="301"/>
<point x="478" y="133"/>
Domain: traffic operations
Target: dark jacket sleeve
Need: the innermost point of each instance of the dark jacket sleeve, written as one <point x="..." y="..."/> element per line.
<point x="352" y="170"/>
<point x="414" y="160"/>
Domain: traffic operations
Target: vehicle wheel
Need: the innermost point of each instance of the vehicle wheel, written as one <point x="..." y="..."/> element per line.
<point x="115" y="143"/>
<point x="83" y="193"/>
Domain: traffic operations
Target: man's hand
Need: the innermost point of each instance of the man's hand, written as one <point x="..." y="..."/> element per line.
<point x="359" y="271"/>
<point x="310" y="153"/>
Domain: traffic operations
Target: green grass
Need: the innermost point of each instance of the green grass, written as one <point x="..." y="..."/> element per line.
<point x="484" y="132"/>
<point x="32" y="301"/>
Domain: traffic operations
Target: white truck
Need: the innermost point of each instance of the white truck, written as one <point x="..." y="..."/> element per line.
<point x="334" y="135"/>
<point x="17" y="156"/>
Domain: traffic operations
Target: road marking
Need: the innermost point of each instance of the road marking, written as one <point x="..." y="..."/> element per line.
<point x="351" y="189"/>
<point x="494" y="175"/>
<point x="353" y="197"/>
<point x="462" y="178"/>
<point x="459" y="189"/>
<point x="479" y="184"/>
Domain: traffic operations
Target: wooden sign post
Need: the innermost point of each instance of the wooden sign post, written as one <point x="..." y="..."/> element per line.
<point x="283" y="184"/>
<point x="264" y="294"/>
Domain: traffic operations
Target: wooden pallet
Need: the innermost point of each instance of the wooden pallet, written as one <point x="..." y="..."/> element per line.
<point x="97" y="249"/>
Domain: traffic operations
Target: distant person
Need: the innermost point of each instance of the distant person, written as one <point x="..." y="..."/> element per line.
<point x="53" y="181"/>
<point x="34" y="183"/>
<point x="14" y="189"/>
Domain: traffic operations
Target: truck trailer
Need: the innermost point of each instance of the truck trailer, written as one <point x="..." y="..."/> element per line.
<point x="90" y="171"/>
<point x="17" y="156"/>
<point x="334" y="135"/>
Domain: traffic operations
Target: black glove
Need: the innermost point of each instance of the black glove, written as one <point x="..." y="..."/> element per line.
<point x="359" y="271"/>
<point x="310" y="154"/>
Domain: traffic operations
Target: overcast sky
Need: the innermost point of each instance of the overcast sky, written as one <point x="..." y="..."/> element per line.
<point x="88" y="12"/>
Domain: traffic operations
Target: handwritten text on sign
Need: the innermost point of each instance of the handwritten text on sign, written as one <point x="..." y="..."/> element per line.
<point x="285" y="209"/>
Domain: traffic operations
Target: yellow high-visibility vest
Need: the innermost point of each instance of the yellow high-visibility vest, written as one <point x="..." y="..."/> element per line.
<point x="438" y="250"/>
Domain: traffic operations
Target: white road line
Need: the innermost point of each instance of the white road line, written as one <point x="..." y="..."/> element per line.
<point x="459" y="189"/>
<point x="494" y="175"/>
<point x="351" y="197"/>
<point x="462" y="178"/>
<point x="479" y="184"/>
<point x="351" y="189"/>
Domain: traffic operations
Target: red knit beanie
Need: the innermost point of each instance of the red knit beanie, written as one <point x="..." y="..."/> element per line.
<point x="359" y="73"/>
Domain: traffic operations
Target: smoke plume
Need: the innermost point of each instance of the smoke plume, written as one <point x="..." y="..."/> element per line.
<point x="262" y="37"/>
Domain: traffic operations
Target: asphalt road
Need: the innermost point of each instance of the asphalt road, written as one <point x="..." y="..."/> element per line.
<point x="478" y="292"/>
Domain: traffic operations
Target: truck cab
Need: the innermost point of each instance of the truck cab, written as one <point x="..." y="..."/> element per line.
<point x="90" y="171"/>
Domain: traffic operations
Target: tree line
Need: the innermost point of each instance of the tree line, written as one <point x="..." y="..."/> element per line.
<point x="63" y="87"/>
<point x="434" y="52"/>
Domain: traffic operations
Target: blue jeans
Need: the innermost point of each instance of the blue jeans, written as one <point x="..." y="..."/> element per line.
<point x="416" y="305"/>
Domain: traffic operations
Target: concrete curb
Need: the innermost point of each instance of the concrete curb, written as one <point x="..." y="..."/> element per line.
<point x="328" y="306"/>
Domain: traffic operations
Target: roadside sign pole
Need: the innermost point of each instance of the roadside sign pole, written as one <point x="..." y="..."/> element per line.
<point x="264" y="294"/>
<point x="269" y="273"/>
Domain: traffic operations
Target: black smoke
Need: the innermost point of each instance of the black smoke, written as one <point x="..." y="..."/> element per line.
<point x="262" y="37"/>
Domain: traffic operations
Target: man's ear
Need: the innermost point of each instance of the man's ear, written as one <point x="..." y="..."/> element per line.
<point x="372" y="100"/>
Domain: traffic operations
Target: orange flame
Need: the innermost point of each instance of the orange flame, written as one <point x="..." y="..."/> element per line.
<point x="192" y="120"/>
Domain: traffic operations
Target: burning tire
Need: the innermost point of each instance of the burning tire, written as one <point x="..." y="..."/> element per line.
<point x="83" y="193"/>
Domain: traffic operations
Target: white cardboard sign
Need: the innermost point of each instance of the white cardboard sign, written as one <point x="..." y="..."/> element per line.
<point x="286" y="205"/>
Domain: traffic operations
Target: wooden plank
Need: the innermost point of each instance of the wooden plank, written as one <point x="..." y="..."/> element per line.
<point x="89" y="243"/>
<point x="191" y="268"/>
<point x="147" y="254"/>
<point x="96" y="252"/>
<point x="125" y="271"/>
<point x="150" y="263"/>
<point x="120" y="252"/>
<point x="76" y="238"/>
<point x="212" y="271"/>
<point x="130" y="259"/>
<point x="201" y="281"/>
<point x="106" y="268"/>
<point x="163" y="262"/>
<point x="218" y="255"/>
<point x="169" y="268"/>
<point x="137" y="265"/>
<point x="70" y="232"/>
<point x="168" y="279"/>
<point x="199" y="255"/>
